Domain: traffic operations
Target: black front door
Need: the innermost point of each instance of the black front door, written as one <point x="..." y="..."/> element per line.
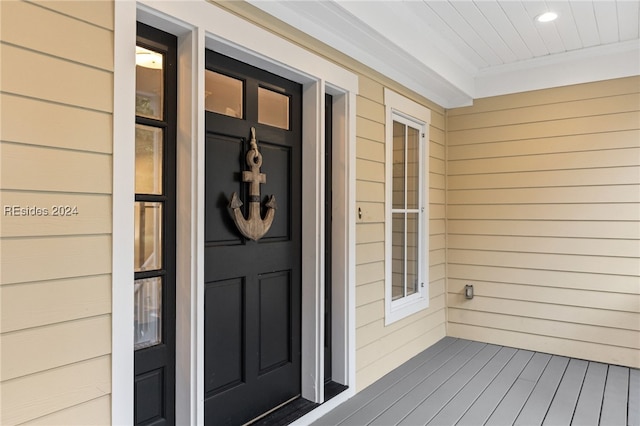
<point x="252" y="288"/>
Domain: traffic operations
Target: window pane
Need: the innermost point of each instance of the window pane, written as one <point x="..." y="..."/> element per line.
<point x="412" y="253"/>
<point x="148" y="236"/>
<point x="413" y="167"/>
<point x="148" y="160"/>
<point x="149" y="87"/>
<point x="398" y="170"/>
<point x="397" y="256"/>
<point x="147" y="326"/>
<point x="273" y="108"/>
<point x="223" y="94"/>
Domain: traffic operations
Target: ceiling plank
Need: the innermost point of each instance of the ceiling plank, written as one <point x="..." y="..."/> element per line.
<point x="433" y="21"/>
<point x="458" y="24"/>
<point x="494" y="14"/>
<point x="607" y="20"/>
<point x="629" y="19"/>
<point x="525" y="26"/>
<point x="566" y="25"/>
<point x="547" y="30"/>
<point x="586" y="23"/>
<point x="484" y="28"/>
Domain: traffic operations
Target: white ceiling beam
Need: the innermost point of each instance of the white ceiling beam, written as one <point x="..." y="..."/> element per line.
<point x="564" y="69"/>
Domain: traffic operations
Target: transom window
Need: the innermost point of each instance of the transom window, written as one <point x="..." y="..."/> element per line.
<point x="407" y="254"/>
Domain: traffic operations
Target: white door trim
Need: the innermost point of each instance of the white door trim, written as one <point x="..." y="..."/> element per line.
<point x="200" y="25"/>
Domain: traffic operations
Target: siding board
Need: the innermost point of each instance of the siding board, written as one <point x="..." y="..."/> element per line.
<point x="369" y="129"/>
<point x="570" y="312"/>
<point x="538" y="113"/>
<point x="557" y="161"/>
<point x="21" y="25"/>
<point x="369" y="273"/>
<point x="612" y="212"/>
<point x="543" y="278"/>
<point x="36" y="395"/>
<point x="63" y="82"/>
<point x="374" y="330"/>
<point x="613" y="337"/>
<point x="98" y="12"/>
<point x="555" y="144"/>
<point x="549" y="262"/>
<point x="530" y="244"/>
<point x="553" y="295"/>
<point x="370" y="109"/>
<point x="56" y="97"/>
<point x="557" y="195"/>
<point x="92" y="214"/>
<point x="59" y="126"/>
<point x="370" y="150"/>
<point x="554" y="128"/>
<point x="96" y="412"/>
<point x="65" y="257"/>
<point x="33" y="168"/>
<point x="562" y="229"/>
<point x="90" y="338"/>
<point x="543" y="209"/>
<point x="49" y="302"/>
<point x="548" y="178"/>
<point x="372" y="171"/>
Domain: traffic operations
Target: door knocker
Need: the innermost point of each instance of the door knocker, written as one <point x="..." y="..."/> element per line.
<point x="255" y="227"/>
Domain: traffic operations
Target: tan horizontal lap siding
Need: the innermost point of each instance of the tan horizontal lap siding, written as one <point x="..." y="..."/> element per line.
<point x="544" y="220"/>
<point x="56" y="96"/>
<point x="378" y="348"/>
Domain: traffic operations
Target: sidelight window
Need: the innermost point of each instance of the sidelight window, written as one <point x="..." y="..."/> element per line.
<point x="151" y="198"/>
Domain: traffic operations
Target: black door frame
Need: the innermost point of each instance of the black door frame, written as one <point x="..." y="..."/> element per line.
<point x="155" y="366"/>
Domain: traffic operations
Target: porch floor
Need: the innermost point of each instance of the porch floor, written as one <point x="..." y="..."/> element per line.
<point x="462" y="382"/>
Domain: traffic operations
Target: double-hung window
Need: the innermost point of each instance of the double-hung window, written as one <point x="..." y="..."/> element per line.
<point x="407" y="207"/>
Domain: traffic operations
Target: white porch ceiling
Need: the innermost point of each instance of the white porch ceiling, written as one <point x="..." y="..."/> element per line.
<point x="455" y="51"/>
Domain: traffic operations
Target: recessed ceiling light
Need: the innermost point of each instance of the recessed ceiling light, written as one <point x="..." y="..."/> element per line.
<point x="148" y="58"/>
<point x="547" y="17"/>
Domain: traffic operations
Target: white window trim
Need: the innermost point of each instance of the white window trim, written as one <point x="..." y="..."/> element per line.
<point x="199" y="26"/>
<point x="400" y="108"/>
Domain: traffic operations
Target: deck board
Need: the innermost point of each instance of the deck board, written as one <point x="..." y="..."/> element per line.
<point x="633" y="417"/>
<point x="590" y="401"/>
<point x="484" y="406"/>
<point x="432" y="404"/>
<point x="536" y="407"/>
<point x="616" y="392"/>
<point x="511" y="405"/>
<point x="381" y="388"/>
<point x="564" y="401"/>
<point x="396" y="412"/>
<point x="461" y="382"/>
<point x="457" y="406"/>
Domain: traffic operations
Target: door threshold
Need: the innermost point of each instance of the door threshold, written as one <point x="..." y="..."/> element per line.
<point x="295" y="408"/>
<point x="285" y="413"/>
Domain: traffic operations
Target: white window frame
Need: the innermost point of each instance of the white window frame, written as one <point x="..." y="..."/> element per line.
<point x="401" y="109"/>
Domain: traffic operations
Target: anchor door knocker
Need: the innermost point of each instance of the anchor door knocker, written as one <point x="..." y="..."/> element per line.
<point x="255" y="227"/>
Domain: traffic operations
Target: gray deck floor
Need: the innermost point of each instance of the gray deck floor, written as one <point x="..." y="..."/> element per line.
<point x="461" y="382"/>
